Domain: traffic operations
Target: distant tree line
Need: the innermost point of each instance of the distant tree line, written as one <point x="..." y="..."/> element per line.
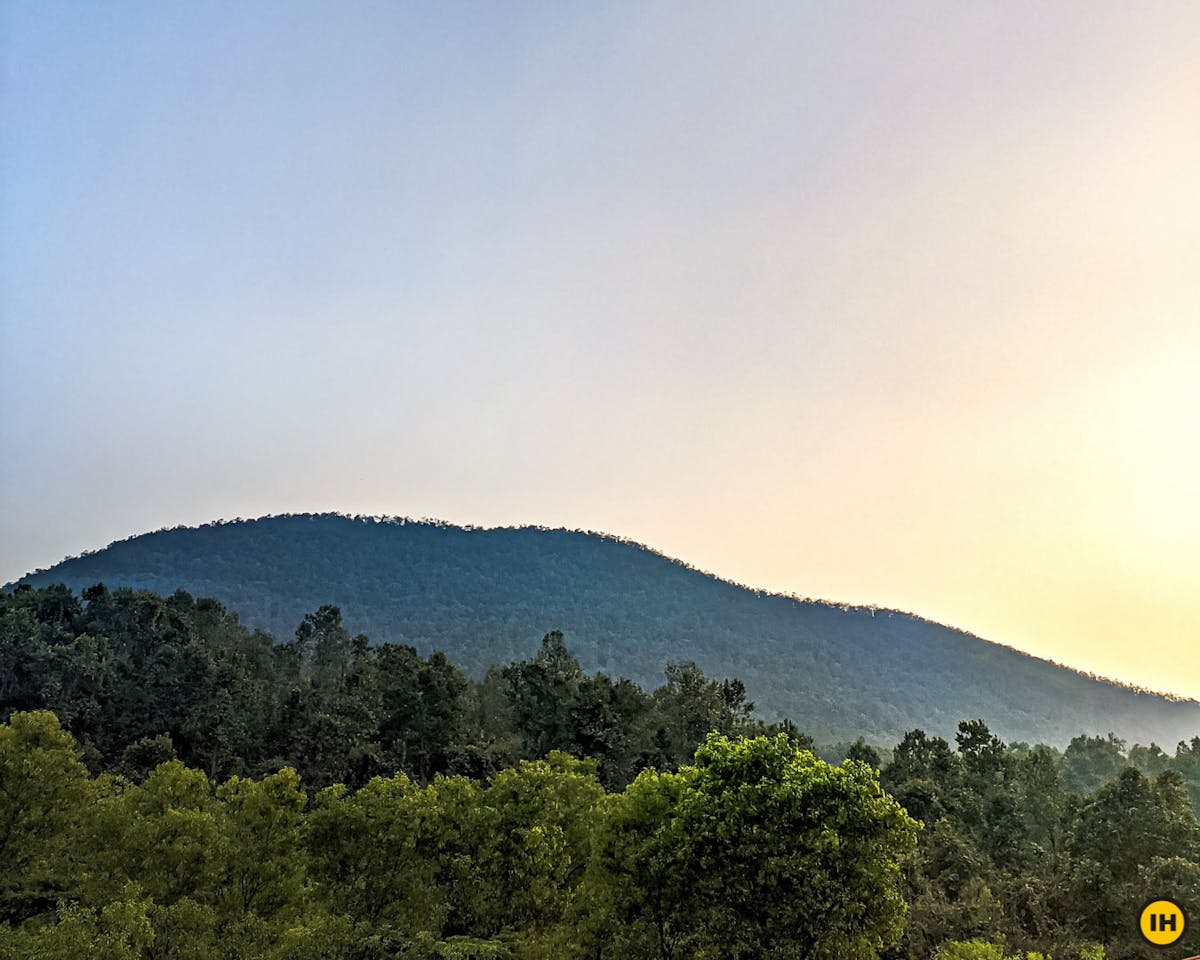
<point x="482" y="596"/>
<point x="138" y="678"/>
<point x="173" y="785"/>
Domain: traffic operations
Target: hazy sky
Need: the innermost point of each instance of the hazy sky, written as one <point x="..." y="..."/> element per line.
<point x="884" y="302"/>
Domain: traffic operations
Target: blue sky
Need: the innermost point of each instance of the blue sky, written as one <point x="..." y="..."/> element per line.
<point x="888" y="303"/>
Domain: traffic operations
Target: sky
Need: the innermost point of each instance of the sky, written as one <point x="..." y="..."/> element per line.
<point x="891" y="303"/>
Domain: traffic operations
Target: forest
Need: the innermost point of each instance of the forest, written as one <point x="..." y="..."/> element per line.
<point x="175" y="785"/>
<point x="483" y="597"/>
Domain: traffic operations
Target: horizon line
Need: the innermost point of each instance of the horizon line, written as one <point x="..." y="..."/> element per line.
<point x="401" y="520"/>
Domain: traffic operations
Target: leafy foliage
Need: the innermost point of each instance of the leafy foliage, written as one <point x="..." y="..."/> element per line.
<point x="456" y="868"/>
<point x="174" y="785"/>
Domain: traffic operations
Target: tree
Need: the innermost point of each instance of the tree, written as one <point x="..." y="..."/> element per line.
<point x="1131" y="831"/>
<point x="538" y="849"/>
<point x="370" y="856"/>
<point x="924" y="775"/>
<point x="983" y="950"/>
<point x="422" y="709"/>
<point x="782" y="855"/>
<point x="643" y="882"/>
<point x="45" y="799"/>
<point x="324" y="645"/>
<point x="690" y="706"/>
<point x="163" y="835"/>
<point x="263" y="872"/>
<point x="543" y="692"/>
<point x="121" y="930"/>
<point x="863" y="752"/>
<point x="1091" y="762"/>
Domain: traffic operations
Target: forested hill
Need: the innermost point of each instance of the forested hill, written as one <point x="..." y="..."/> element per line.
<point x="487" y="596"/>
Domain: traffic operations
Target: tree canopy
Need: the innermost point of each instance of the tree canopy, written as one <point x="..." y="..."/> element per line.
<point x="173" y="785"/>
<point x="480" y="596"/>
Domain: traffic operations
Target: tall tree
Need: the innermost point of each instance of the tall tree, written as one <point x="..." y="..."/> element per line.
<point x="45" y="801"/>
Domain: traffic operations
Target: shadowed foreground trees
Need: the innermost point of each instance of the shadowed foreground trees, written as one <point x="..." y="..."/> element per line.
<point x="1012" y="862"/>
<point x="138" y="678"/>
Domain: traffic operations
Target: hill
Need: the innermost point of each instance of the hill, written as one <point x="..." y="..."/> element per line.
<point x="485" y="596"/>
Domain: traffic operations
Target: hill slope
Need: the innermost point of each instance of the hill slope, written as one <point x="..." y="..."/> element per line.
<point x="487" y="596"/>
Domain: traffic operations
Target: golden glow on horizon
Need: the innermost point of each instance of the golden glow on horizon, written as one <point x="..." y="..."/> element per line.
<point x="882" y="305"/>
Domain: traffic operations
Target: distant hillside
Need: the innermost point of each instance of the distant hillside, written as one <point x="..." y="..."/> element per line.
<point x="487" y="596"/>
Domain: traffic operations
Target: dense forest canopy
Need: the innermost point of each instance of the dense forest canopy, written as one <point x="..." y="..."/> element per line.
<point x="175" y="785"/>
<point x="482" y="597"/>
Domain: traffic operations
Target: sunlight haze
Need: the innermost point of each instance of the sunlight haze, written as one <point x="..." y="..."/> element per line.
<point x="886" y="306"/>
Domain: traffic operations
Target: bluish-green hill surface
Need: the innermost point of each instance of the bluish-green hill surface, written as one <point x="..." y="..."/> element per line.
<point x="486" y="596"/>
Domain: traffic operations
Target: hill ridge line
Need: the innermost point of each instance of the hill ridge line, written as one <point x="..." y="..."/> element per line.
<point x="439" y="523"/>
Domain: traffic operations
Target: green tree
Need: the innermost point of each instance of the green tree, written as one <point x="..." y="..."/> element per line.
<point x="422" y="710"/>
<point x="642" y="882"/>
<point x="538" y="849"/>
<point x="1091" y="762"/>
<point x="45" y="803"/>
<point x="120" y="930"/>
<point x="262" y="867"/>
<point x="543" y="692"/>
<point x="924" y="775"/>
<point x="163" y="835"/>
<point x="369" y="854"/>
<point x="863" y="752"/>
<point x="791" y="857"/>
<point x="1132" y="830"/>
